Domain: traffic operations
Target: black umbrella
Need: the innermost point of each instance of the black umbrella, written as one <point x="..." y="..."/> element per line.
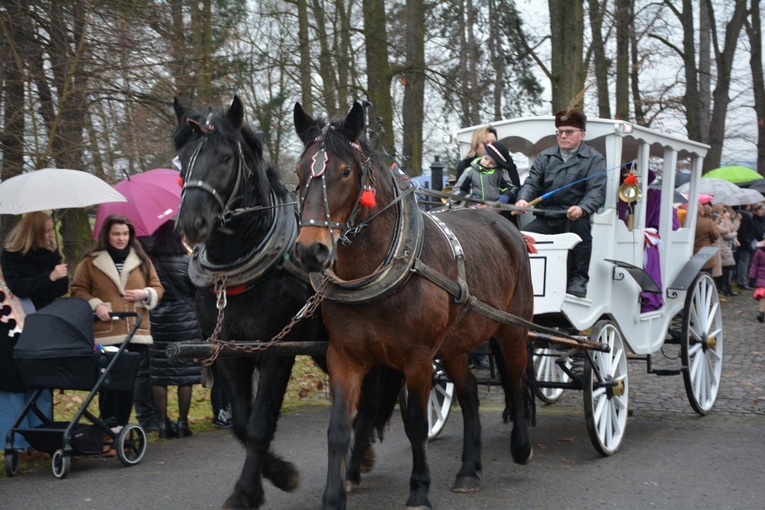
<point x="759" y="185"/>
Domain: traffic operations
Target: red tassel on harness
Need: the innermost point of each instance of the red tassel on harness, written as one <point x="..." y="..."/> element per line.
<point x="631" y="179"/>
<point x="530" y="243"/>
<point x="180" y="181"/>
<point x="367" y="198"/>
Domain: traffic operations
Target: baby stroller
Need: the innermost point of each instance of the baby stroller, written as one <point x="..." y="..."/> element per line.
<point x="56" y="350"/>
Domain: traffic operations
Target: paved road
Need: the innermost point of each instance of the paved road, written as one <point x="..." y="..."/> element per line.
<point x="670" y="458"/>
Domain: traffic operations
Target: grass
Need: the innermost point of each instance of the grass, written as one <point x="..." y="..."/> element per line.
<point x="308" y="386"/>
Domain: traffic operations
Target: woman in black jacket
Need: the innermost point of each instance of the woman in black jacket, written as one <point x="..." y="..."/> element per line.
<point x="173" y="320"/>
<point x="33" y="271"/>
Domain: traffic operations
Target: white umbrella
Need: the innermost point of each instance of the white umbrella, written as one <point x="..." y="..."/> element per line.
<point x="54" y="188"/>
<point x="712" y="186"/>
<point x="742" y="197"/>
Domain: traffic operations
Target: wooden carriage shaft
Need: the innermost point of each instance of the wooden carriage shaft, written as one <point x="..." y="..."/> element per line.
<point x="203" y="350"/>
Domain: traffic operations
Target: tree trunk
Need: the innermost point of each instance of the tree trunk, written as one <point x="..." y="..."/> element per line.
<point x="326" y="69"/>
<point x="705" y="73"/>
<point x="566" y="53"/>
<point x="378" y="68"/>
<point x="721" y="95"/>
<point x="601" y="62"/>
<point x="754" y="31"/>
<point x="414" y="90"/>
<point x="622" y="59"/>
<point x="306" y="97"/>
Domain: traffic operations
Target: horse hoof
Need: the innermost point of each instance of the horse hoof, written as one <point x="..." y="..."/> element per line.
<point x="368" y="459"/>
<point x="349" y="486"/>
<point x="524" y="459"/>
<point x="283" y="475"/>
<point x="466" y="484"/>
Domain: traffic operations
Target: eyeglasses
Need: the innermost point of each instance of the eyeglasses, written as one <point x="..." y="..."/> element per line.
<point x="567" y="132"/>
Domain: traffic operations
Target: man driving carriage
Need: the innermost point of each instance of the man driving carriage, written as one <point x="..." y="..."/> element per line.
<point x="577" y="171"/>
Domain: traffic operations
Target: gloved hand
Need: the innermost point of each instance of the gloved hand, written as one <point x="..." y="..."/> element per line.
<point x="503" y="199"/>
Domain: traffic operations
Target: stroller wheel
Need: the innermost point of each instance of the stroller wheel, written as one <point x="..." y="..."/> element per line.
<point x="61" y="464"/>
<point x="131" y="444"/>
<point x="11" y="463"/>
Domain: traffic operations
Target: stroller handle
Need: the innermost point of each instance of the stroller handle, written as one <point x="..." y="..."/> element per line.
<point x="122" y="315"/>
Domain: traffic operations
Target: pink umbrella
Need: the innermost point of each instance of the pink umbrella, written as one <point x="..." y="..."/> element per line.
<point x="152" y="199"/>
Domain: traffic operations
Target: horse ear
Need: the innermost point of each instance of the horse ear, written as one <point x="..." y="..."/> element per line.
<point x="353" y="125"/>
<point x="235" y="113"/>
<point x="180" y="110"/>
<point x="196" y="126"/>
<point x="303" y="123"/>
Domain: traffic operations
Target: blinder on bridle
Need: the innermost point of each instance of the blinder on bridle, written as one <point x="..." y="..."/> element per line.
<point x="189" y="183"/>
<point x="319" y="164"/>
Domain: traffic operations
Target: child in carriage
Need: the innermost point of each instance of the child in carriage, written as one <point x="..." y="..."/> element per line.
<point x="757" y="273"/>
<point x="489" y="178"/>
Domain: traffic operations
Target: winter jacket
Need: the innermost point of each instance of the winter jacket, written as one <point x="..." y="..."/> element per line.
<point x="174" y="320"/>
<point x="757" y="269"/>
<point x="488" y="184"/>
<point x="549" y="172"/>
<point x="728" y="233"/>
<point x="707" y="235"/>
<point x="97" y="281"/>
<point x="27" y="276"/>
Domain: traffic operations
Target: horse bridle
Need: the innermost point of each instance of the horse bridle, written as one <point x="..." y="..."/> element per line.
<point x="319" y="171"/>
<point x="188" y="183"/>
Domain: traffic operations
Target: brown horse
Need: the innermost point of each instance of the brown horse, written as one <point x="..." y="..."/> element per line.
<point x="403" y="287"/>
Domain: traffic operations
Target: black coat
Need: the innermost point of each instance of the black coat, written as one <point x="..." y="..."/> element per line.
<point x="174" y="320"/>
<point x="549" y="172"/>
<point x="27" y="276"/>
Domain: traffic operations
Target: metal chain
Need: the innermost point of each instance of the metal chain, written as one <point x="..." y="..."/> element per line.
<point x="305" y="312"/>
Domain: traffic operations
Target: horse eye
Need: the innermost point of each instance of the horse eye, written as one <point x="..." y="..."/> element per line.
<point x="346" y="173"/>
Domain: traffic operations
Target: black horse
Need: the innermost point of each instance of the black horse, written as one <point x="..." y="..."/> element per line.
<point x="242" y="219"/>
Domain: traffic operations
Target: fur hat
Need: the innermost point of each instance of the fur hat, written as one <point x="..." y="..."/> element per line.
<point x="571" y="118"/>
<point x="499" y="153"/>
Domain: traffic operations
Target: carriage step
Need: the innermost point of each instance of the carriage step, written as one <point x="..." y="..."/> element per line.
<point x="666" y="371"/>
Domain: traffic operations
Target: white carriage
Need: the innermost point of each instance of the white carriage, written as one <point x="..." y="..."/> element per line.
<point x="611" y="314"/>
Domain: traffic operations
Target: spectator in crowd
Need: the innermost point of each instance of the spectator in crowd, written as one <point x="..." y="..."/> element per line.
<point x="728" y="233"/>
<point x="33" y="271"/>
<point x="221" y="405"/>
<point x="117" y="276"/>
<point x="750" y="232"/>
<point x="757" y="273"/>
<point x="707" y="235"/>
<point x="173" y="320"/>
<point x="575" y="171"/>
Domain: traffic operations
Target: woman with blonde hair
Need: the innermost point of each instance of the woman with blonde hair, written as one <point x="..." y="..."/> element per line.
<point x="32" y="270"/>
<point x="728" y="233"/>
<point x="481" y="138"/>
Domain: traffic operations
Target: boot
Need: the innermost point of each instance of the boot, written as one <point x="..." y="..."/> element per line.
<point x="183" y="429"/>
<point x="167" y="429"/>
<point x="580" y="270"/>
<point x="761" y="317"/>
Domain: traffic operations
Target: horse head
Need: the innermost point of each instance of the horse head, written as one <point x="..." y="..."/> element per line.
<point x="336" y="176"/>
<point x="217" y="155"/>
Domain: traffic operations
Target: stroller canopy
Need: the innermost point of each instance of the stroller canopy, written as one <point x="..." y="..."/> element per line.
<point x="64" y="328"/>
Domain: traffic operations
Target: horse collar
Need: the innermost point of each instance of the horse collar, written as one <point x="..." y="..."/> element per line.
<point x="270" y="253"/>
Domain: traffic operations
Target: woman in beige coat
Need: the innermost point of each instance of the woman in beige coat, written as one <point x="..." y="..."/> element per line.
<point x="118" y="276"/>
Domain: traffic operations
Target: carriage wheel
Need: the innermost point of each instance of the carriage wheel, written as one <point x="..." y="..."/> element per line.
<point x="131" y="444"/>
<point x="701" y="344"/>
<point x="547" y="370"/>
<point x="439" y="401"/>
<point x="11" y="463"/>
<point x="606" y="398"/>
<point x="60" y="464"/>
